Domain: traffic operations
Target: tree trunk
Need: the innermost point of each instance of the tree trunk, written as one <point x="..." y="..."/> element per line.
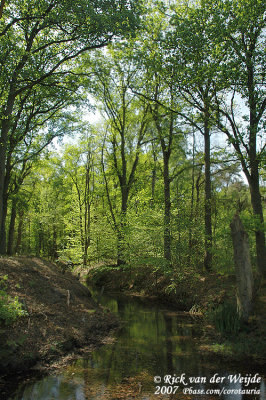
<point x="54" y="254"/>
<point x="19" y="236"/>
<point x="12" y="227"/>
<point x="208" y="195"/>
<point x="254" y="181"/>
<point x="254" y="167"/>
<point x="87" y="242"/>
<point x="120" y="249"/>
<point x="4" y="211"/>
<point x="243" y="269"/>
<point x="86" y="246"/>
<point x="3" y="148"/>
<point x="3" y="144"/>
<point x="3" y="228"/>
<point x="121" y="231"/>
<point x="2" y="4"/>
<point x="87" y="205"/>
<point x="259" y="223"/>
<point x="153" y="179"/>
<point x="167" y="208"/>
<point x="190" y="233"/>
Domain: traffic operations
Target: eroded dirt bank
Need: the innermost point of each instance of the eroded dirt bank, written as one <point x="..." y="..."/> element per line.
<point x="61" y="316"/>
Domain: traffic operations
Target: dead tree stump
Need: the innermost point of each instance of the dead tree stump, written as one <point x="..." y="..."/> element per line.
<point x="243" y="270"/>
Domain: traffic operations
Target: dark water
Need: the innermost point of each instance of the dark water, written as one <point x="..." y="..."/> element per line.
<point x="153" y="345"/>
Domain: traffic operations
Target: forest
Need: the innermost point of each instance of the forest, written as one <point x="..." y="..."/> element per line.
<point x="178" y="147"/>
<point x="132" y="133"/>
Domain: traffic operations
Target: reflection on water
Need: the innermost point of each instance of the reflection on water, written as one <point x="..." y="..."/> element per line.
<point x="151" y="343"/>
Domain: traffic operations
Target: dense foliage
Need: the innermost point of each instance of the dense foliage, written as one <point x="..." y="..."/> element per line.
<point x="176" y="153"/>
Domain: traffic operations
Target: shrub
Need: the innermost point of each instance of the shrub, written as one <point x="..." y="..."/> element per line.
<point x="10" y="308"/>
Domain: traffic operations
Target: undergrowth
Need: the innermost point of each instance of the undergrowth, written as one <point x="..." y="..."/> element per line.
<point x="10" y="308"/>
<point x="225" y="318"/>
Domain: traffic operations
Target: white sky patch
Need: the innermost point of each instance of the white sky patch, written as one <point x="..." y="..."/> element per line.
<point x="91" y="115"/>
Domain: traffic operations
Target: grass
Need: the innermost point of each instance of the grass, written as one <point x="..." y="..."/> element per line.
<point x="239" y="347"/>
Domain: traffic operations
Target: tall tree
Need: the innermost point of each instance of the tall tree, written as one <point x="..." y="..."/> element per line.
<point x="38" y="119"/>
<point x="185" y="59"/>
<point x="167" y="133"/>
<point x="127" y="119"/>
<point x="78" y="163"/>
<point x="242" y="38"/>
<point x="189" y="60"/>
<point x="38" y="39"/>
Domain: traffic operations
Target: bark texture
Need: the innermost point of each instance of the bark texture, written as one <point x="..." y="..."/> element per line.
<point x="208" y="193"/>
<point x="244" y="277"/>
<point x="11" y="231"/>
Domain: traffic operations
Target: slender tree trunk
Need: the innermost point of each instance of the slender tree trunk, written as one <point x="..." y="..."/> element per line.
<point x="54" y="254"/>
<point x="167" y="208"/>
<point x="120" y="248"/>
<point x="198" y="184"/>
<point x="11" y="230"/>
<point x="81" y="228"/>
<point x="121" y="231"/>
<point x="87" y="204"/>
<point x="39" y="242"/>
<point x="19" y="235"/>
<point x="85" y="255"/>
<point x="28" y="245"/>
<point x="153" y="179"/>
<point x="208" y="195"/>
<point x="190" y="234"/>
<point x="82" y="242"/>
<point x="87" y="237"/>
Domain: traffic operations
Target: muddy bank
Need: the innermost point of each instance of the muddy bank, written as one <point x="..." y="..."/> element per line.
<point x="60" y="316"/>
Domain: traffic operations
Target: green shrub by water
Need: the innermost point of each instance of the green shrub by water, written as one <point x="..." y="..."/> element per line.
<point x="225" y="318"/>
<point x="10" y="308"/>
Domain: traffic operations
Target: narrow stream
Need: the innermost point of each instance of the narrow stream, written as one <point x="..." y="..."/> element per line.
<point x="152" y="357"/>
